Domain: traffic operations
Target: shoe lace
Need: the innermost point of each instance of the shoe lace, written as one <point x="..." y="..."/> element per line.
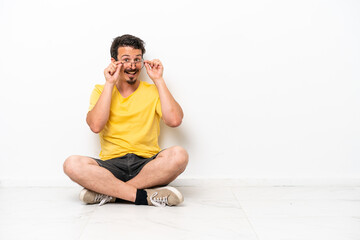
<point x="160" y="201"/>
<point x="102" y="199"/>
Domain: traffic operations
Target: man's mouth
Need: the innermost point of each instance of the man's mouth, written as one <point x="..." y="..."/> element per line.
<point x="130" y="73"/>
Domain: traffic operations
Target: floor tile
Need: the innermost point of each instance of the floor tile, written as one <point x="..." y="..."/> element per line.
<point x="306" y="228"/>
<point x="302" y="212"/>
<point x="42" y="213"/>
<point x="297" y="193"/>
<point x="186" y="222"/>
<point x="299" y="202"/>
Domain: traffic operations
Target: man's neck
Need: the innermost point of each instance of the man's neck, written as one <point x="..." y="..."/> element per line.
<point x="127" y="89"/>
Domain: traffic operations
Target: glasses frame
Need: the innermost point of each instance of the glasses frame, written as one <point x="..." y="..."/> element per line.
<point x="135" y="63"/>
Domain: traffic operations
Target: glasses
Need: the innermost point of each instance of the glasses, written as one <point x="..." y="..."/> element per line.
<point x="138" y="63"/>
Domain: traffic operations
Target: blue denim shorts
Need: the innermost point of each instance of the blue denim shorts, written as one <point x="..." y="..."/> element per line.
<point x="126" y="167"/>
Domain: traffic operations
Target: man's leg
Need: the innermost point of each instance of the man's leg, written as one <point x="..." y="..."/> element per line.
<point x="162" y="170"/>
<point x="87" y="172"/>
<point x="169" y="164"/>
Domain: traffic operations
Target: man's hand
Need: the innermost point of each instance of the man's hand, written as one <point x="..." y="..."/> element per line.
<point x="112" y="72"/>
<point x="154" y="69"/>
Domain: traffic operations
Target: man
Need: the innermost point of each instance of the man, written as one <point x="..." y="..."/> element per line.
<point x="126" y="113"/>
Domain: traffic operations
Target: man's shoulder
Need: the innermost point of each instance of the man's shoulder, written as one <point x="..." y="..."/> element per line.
<point x="146" y="84"/>
<point x="99" y="86"/>
<point x="149" y="86"/>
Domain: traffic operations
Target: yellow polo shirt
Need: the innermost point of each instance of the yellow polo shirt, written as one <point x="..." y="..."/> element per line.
<point x="134" y="122"/>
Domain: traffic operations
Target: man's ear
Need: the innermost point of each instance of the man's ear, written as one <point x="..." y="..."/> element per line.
<point x="113" y="60"/>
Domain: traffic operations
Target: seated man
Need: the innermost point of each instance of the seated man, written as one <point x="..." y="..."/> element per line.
<point x="126" y="113"/>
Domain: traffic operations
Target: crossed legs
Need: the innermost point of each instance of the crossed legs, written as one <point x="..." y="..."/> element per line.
<point x="85" y="171"/>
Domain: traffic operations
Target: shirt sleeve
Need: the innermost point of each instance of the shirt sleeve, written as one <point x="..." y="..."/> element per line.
<point x="95" y="96"/>
<point x="158" y="107"/>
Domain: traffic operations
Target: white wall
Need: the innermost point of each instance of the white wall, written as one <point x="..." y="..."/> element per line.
<point x="270" y="89"/>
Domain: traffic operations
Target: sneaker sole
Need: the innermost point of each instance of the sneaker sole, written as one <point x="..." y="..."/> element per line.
<point x="176" y="192"/>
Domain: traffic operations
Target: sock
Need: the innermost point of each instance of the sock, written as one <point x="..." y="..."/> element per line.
<point x="141" y="197"/>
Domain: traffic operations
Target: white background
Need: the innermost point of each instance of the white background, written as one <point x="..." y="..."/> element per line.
<point x="270" y="89"/>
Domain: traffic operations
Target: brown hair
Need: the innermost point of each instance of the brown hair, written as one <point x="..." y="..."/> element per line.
<point x="126" y="40"/>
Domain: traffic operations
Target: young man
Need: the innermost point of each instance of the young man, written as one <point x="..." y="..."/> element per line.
<point x="126" y="113"/>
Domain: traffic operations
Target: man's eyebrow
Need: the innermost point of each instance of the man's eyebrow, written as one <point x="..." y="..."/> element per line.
<point x="139" y="55"/>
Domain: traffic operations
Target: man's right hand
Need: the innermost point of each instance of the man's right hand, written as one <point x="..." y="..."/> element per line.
<point x="112" y="72"/>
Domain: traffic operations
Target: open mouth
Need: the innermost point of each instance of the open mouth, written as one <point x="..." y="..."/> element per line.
<point x="131" y="73"/>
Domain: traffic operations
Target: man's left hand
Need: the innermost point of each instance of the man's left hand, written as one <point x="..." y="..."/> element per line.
<point x="154" y="69"/>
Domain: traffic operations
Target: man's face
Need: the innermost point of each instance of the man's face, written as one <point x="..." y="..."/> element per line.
<point x="131" y="59"/>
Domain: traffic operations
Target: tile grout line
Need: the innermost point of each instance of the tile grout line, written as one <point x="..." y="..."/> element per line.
<point x="86" y="223"/>
<point x="246" y="215"/>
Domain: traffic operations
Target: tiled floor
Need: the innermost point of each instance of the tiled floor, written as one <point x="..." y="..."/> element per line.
<point x="259" y="213"/>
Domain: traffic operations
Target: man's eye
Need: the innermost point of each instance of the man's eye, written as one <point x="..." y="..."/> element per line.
<point x="137" y="60"/>
<point x="126" y="60"/>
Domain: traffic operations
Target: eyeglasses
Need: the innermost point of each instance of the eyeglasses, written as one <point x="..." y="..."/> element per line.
<point x="139" y="63"/>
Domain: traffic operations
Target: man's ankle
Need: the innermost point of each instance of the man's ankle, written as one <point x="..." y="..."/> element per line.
<point x="141" y="197"/>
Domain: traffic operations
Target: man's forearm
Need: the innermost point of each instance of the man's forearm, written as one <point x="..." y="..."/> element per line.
<point x="99" y="115"/>
<point x="172" y="113"/>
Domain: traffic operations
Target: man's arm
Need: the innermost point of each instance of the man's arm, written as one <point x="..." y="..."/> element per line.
<point x="172" y="113"/>
<point x="99" y="115"/>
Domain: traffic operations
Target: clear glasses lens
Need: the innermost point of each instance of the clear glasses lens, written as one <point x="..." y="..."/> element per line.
<point x="138" y="64"/>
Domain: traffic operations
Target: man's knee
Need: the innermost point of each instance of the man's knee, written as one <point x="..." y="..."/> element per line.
<point x="74" y="164"/>
<point x="71" y="164"/>
<point x="180" y="157"/>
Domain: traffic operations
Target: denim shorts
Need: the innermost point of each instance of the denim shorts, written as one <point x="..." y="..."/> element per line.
<point x="126" y="167"/>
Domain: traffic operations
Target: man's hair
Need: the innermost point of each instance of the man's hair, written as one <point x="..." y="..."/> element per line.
<point x="126" y="40"/>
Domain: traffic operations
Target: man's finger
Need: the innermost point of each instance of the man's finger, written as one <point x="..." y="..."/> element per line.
<point x="118" y="67"/>
<point x="147" y="66"/>
<point x="117" y="71"/>
<point x="112" y="70"/>
<point x="151" y="63"/>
